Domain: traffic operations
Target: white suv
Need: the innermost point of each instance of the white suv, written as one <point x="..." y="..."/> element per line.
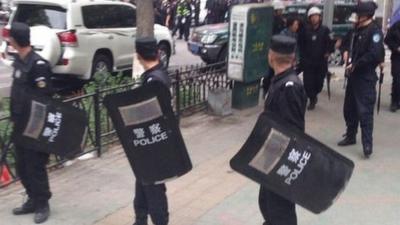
<point x="82" y="37"/>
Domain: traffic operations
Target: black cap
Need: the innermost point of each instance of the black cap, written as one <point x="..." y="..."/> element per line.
<point x="147" y="47"/>
<point x="20" y="32"/>
<point x="283" y="44"/>
<point x="366" y="8"/>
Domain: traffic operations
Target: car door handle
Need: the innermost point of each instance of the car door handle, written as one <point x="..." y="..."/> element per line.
<point x="110" y="37"/>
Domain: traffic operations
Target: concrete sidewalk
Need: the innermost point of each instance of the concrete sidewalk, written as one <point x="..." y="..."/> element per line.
<point x="100" y="191"/>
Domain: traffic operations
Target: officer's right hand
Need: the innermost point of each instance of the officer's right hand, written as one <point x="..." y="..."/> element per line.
<point x="349" y="68"/>
<point x="345" y="57"/>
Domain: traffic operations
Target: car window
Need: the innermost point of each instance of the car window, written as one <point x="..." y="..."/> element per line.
<point x="300" y="11"/>
<point x="128" y="16"/>
<point x="34" y="15"/>
<point x="108" y="16"/>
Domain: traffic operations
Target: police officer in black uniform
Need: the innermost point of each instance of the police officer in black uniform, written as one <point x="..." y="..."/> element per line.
<point x="197" y="5"/>
<point x="278" y="25"/>
<point x="287" y="99"/>
<point x="151" y="198"/>
<point x="368" y="52"/>
<point x="279" y="22"/>
<point x="158" y="14"/>
<point x="392" y="40"/>
<point x="31" y="74"/>
<point x="315" y="47"/>
<point x="216" y="10"/>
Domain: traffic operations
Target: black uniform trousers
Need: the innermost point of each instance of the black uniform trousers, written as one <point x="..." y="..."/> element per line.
<point x="197" y="17"/>
<point x="151" y="199"/>
<point x="396" y="80"/>
<point x="313" y="78"/>
<point x="275" y="209"/>
<point x="31" y="168"/>
<point x="358" y="108"/>
<point x="184" y="28"/>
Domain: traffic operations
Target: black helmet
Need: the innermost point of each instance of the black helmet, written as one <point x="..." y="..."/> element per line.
<point x="366" y="9"/>
<point x="21" y="33"/>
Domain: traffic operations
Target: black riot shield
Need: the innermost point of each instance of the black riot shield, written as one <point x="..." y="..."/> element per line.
<point x="293" y="164"/>
<point x="149" y="133"/>
<point x="50" y="126"/>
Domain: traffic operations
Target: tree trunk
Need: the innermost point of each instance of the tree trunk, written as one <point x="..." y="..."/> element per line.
<point x="145" y="18"/>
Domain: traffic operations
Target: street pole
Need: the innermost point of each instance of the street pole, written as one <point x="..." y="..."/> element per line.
<point x="329" y="6"/>
<point x="387" y="13"/>
<point x="145" y="28"/>
<point x="145" y="18"/>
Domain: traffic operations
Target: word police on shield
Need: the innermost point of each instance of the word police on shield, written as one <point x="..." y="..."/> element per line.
<point x="293" y="164"/>
<point x="51" y="126"/>
<point x="149" y="133"/>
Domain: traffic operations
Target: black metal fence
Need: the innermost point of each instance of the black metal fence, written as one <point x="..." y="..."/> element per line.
<point x="190" y="89"/>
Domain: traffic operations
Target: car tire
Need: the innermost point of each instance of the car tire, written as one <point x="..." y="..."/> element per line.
<point x="207" y="61"/>
<point x="223" y="55"/>
<point x="101" y="67"/>
<point x="164" y="54"/>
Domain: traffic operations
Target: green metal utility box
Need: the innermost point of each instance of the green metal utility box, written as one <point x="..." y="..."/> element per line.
<point x="250" y="34"/>
<point x="245" y="95"/>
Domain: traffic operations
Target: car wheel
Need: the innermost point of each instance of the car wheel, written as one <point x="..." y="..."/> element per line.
<point x="164" y="55"/>
<point x="223" y="55"/>
<point x="207" y="61"/>
<point x="101" y="68"/>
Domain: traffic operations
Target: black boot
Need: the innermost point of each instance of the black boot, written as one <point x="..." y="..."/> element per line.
<point x="42" y="213"/>
<point x="394" y="106"/>
<point x="26" y="208"/>
<point x="140" y="222"/>
<point x="313" y="102"/>
<point x="367" y="151"/>
<point x="348" y="140"/>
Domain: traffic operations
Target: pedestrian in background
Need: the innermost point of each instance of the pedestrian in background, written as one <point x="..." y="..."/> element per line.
<point x="292" y="29"/>
<point x="279" y="21"/>
<point x="216" y="11"/>
<point x="278" y="27"/>
<point x="392" y="40"/>
<point x="196" y="6"/>
<point x="158" y="17"/>
<point x="315" y="46"/>
<point x="183" y="19"/>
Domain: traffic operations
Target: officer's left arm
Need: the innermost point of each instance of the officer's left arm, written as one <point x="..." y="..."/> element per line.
<point x="346" y="41"/>
<point x="190" y="9"/>
<point x="301" y="43"/>
<point x="42" y="77"/>
<point x="390" y="40"/>
<point x="375" y="52"/>
<point x="292" y="105"/>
